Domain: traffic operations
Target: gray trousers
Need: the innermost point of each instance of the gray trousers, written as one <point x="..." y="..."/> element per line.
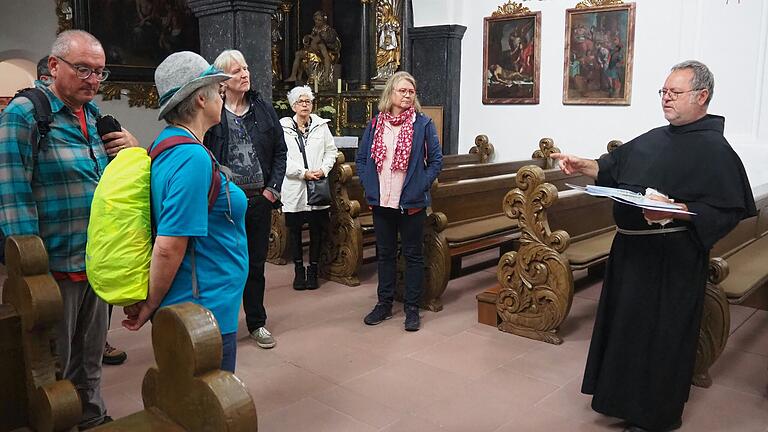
<point x="80" y="339"/>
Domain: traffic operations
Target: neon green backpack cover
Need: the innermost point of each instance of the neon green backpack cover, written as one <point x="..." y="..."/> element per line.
<point x="119" y="247"/>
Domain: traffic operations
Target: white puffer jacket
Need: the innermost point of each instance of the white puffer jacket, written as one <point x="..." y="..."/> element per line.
<point x="321" y="154"/>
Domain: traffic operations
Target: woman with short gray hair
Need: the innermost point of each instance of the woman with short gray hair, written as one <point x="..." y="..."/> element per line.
<point x="311" y="155"/>
<point x="199" y="254"/>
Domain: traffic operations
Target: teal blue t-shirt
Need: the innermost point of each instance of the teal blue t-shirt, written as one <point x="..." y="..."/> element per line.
<point x="181" y="178"/>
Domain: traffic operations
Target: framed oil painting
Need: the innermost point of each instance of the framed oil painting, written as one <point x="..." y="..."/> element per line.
<point x="511" y="56"/>
<point x="138" y="34"/>
<point x="599" y="46"/>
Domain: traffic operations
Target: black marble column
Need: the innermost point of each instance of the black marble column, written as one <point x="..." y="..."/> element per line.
<point x="436" y="65"/>
<point x="365" y="42"/>
<point x="286" y="63"/>
<point x="243" y="25"/>
<point x="406" y="24"/>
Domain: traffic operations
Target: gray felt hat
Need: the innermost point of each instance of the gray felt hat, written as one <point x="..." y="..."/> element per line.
<point x="179" y="75"/>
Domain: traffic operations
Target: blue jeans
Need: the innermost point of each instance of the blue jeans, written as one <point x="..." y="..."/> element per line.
<point x="388" y="223"/>
<point x="229" y="351"/>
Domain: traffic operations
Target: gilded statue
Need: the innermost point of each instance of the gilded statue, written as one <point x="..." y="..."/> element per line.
<point x="321" y="51"/>
<point x="277" y="23"/>
<point x="388" y="34"/>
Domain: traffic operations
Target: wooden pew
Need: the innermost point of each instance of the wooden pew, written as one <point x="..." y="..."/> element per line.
<point x="482" y="152"/>
<point x="535" y="288"/>
<point x="737" y="271"/>
<point x="185" y="392"/>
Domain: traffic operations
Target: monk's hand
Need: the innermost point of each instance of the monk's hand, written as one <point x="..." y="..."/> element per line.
<point x="575" y="165"/>
<point x="659" y="215"/>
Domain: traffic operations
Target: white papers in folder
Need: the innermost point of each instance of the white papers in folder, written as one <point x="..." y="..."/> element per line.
<point x="630" y="198"/>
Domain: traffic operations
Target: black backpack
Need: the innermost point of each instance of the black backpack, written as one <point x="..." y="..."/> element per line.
<point x="43" y="118"/>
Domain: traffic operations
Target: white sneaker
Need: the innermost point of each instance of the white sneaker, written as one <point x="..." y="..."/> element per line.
<point x="263" y="338"/>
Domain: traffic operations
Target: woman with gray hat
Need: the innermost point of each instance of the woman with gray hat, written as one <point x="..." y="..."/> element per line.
<point x="311" y="155"/>
<point x="200" y="253"/>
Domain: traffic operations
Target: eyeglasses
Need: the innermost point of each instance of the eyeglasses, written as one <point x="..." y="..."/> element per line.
<point x="241" y="131"/>
<point x="405" y="92"/>
<point x="304" y="102"/>
<point x="673" y="95"/>
<point x="84" y="72"/>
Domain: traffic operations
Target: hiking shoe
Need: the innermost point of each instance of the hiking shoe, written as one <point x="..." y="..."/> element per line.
<point x="113" y="356"/>
<point x="263" y="338"/>
<point x="379" y="313"/>
<point x="299" y="278"/>
<point x="412" y="321"/>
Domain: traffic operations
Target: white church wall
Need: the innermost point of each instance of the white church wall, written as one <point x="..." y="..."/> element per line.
<point x="730" y="38"/>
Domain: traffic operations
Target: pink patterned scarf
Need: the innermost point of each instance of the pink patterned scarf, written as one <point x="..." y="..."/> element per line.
<point x="404" y="139"/>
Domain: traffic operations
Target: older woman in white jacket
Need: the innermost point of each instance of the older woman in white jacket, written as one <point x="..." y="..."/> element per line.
<point x="311" y="130"/>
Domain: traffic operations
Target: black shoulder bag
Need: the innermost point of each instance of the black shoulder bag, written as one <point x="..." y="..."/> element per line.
<point x="318" y="191"/>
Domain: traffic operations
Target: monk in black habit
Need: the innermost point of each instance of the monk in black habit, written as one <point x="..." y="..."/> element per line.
<point x="643" y="348"/>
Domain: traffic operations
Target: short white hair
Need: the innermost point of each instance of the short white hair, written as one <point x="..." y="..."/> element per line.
<point x="226" y="58"/>
<point x="63" y="43"/>
<point x="299" y="91"/>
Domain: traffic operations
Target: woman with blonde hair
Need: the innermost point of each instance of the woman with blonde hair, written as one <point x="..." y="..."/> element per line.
<point x="249" y="141"/>
<point x="311" y="155"/>
<point x="398" y="159"/>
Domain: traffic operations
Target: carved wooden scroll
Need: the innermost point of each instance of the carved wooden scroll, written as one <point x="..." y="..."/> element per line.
<point x="715" y="324"/>
<point x="546" y="148"/>
<point x="437" y="264"/>
<point x="483" y="148"/>
<point x="50" y="405"/>
<point x="187" y="385"/>
<point x="342" y="253"/>
<point x="613" y="145"/>
<point x="536" y="281"/>
<point x="278" y="252"/>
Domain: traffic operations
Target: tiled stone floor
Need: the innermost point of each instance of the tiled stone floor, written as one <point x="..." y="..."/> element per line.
<point x="330" y="372"/>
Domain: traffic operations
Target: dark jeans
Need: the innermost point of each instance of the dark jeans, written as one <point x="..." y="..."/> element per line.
<point x="387" y="223"/>
<point x="317" y="220"/>
<point x="258" y="222"/>
<point x="229" y="351"/>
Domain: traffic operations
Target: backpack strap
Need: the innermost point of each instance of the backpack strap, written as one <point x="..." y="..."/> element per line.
<point x="43" y="118"/>
<point x="173" y="141"/>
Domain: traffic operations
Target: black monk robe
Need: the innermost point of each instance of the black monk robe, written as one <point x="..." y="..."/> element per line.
<point x="644" y="341"/>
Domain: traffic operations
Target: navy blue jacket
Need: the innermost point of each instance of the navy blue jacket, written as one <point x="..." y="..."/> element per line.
<point x="422" y="169"/>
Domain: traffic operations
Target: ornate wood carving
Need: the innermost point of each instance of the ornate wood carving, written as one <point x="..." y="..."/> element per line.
<point x="52" y="405"/>
<point x="613" y="145"/>
<point x="342" y="253"/>
<point x="187" y="385"/>
<point x="511" y="9"/>
<point x="64" y="15"/>
<point x="483" y="147"/>
<point x="536" y="281"/>
<point x="437" y="264"/>
<point x="278" y="239"/>
<point x="718" y="270"/>
<point x="714" y="331"/>
<point x="546" y="148"/>
<point x="597" y="3"/>
<point x="139" y="94"/>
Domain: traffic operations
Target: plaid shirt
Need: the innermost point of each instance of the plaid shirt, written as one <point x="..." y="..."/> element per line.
<point x="53" y="198"/>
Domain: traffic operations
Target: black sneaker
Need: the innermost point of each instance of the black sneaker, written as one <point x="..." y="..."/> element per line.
<point x="379" y="313"/>
<point x="412" y="321"/>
